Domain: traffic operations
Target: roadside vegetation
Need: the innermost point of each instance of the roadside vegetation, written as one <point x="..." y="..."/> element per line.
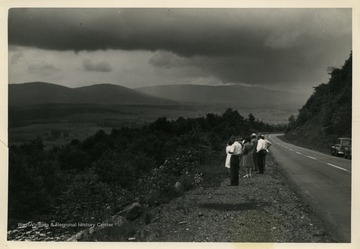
<point x="90" y="180"/>
<point x="327" y="114"/>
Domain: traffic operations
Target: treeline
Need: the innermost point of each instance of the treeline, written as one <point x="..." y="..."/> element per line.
<point x="327" y="113"/>
<point x="92" y="179"/>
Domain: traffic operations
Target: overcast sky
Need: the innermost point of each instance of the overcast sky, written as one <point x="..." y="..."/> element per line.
<point x="289" y="49"/>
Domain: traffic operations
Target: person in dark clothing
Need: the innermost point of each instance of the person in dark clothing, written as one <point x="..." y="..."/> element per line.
<point x="261" y="154"/>
<point x="267" y="146"/>
<point x="235" y="151"/>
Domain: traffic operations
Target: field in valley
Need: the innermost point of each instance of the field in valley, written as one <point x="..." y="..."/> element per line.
<point x="59" y="124"/>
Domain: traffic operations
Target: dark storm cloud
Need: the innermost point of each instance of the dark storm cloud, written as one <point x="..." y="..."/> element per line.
<point x="236" y="45"/>
<point x="96" y="67"/>
<point x="184" y="31"/>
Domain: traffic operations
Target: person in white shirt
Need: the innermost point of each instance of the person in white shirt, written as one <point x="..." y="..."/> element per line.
<point x="228" y="155"/>
<point x="261" y="154"/>
<point x="267" y="142"/>
<point x="267" y="146"/>
<point x="235" y="151"/>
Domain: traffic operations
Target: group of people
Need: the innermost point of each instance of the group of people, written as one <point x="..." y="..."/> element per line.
<point x="248" y="153"/>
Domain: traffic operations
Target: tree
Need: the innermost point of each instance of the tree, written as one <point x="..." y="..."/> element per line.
<point x="251" y="118"/>
<point x="292" y="123"/>
<point x="162" y="124"/>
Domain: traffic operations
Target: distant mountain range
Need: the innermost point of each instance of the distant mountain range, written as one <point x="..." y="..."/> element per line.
<point x="226" y="94"/>
<point x="233" y="95"/>
<point x="47" y="93"/>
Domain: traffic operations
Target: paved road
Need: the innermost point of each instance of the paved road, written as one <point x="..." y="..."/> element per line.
<point x="323" y="180"/>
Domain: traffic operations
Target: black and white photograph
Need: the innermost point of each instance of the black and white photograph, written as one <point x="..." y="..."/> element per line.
<point x="180" y="123"/>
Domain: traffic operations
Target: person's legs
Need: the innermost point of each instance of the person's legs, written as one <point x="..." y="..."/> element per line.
<point x="246" y="172"/>
<point x="264" y="160"/>
<point x="232" y="174"/>
<point x="260" y="162"/>
<point x="234" y="170"/>
<point x="255" y="161"/>
<point x="236" y="177"/>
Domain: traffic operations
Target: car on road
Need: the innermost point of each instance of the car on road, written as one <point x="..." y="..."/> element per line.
<point x="342" y="147"/>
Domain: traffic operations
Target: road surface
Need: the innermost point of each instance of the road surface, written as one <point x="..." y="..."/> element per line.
<point x="323" y="180"/>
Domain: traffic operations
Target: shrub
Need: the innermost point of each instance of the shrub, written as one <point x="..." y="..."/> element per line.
<point x="86" y="199"/>
<point x="115" y="169"/>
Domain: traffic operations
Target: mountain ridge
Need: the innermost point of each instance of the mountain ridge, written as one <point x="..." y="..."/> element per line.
<point x="105" y="93"/>
<point x="48" y="93"/>
<point x="235" y="94"/>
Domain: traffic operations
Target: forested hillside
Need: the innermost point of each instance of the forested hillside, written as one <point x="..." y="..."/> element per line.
<point x="327" y="114"/>
<point x="92" y="179"/>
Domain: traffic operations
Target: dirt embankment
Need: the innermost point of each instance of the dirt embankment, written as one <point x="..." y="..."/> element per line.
<point x="263" y="208"/>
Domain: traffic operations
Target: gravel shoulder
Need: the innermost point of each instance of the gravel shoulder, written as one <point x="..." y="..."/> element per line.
<point x="263" y="208"/>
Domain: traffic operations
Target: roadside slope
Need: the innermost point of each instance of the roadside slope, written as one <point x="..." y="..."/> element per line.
<point x="263" y="208"/>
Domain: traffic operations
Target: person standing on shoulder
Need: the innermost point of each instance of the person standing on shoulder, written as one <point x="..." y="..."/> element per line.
<point x="228" y="155"/>
<point x="267" y="143"/>
<point x="260" y="154"/>
<point x="254" y="141"/>
<point x="235" y="151"/>
<point x="267" y="146"/>
<point x="247" y="157"/>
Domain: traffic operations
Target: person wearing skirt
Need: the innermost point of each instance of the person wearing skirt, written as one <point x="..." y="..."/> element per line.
<point x="247" y="161"/>
<point x="228" y="155"/>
